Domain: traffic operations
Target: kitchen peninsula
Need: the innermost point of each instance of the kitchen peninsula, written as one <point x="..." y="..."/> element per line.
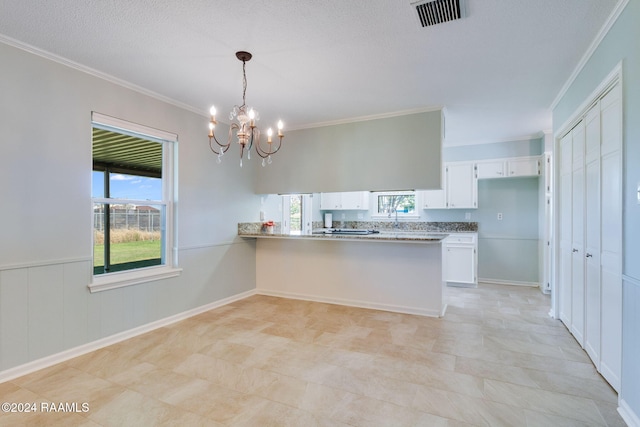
<point x="393" y="270"/>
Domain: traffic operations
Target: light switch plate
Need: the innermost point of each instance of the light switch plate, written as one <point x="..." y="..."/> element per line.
<point x="499" y="216"/>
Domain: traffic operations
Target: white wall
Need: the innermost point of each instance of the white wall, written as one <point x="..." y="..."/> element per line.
<point x="384" y="154"/>
<point x="45" y="223"/>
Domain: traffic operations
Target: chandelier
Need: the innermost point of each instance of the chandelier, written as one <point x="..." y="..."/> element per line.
<point x="245" y="127"/>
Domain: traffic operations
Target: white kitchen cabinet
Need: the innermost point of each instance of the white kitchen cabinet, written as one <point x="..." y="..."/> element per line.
<point x="461" y="186"/>
<point x="459" y="190"/>
<point x="434" y="199"/>
<point x="461" y="259"/>
<point x="350" y="200"/>
<point x="523" y="167"/>
<point x="493" y="169"/>
<point x="509" y="168"/>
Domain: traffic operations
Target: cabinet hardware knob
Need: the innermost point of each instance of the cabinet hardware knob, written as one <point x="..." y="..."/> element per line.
<point x="574" y="250"/>
<point x="589" y="255"/>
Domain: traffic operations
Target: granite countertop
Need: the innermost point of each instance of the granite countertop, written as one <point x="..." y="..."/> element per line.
<point x="400" y="236"/>
<point x="408" y="232"/>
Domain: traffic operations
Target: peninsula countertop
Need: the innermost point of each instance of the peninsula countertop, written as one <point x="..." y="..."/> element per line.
<point x="386" y="235"/>
<point x="371" y="231"/>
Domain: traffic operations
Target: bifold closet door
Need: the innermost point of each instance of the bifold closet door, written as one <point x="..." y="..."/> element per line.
<point x="592" y="235"/>
<point x="564" y="210"/>
<point x="611" y="272"/>
<point x="577" y="235"/>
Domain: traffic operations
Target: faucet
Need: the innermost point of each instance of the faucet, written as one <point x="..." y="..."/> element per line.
<point x="395" y="224"/>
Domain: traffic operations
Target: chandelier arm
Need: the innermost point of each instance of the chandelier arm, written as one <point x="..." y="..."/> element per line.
<point x="223" y="147"/>
<point x="263" y="153"/>
<point x="255" y="134"/>
<point x="211" y="146"/>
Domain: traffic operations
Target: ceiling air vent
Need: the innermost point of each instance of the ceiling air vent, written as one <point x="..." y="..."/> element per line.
<point x="437" y="11"/>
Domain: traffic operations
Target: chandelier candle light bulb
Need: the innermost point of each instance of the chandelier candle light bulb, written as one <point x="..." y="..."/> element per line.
<point x="247" y="133"/>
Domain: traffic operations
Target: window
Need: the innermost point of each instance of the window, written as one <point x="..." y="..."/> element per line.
<point x="132" y="193"/>
<point x="397" y="203"/>
<point x="296" y="214"/>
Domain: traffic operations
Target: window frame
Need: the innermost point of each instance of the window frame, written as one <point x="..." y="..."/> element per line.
<point x="401" y="215"/>
<point x="168" y="225"/>
<point x="305" y="218"/>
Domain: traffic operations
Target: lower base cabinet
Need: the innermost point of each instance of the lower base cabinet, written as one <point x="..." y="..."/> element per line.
<point x="461" y="259"/>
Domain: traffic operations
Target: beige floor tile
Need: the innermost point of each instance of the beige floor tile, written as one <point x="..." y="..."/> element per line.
<point x="495" y="359"/>
<point x="539" y="419"/>
<point x="544" y="401"/>
<point x="368" y="412"/>
<point x="596" y="388"/>
<point x="134" y="409"/>
<point x="493" y="370"/>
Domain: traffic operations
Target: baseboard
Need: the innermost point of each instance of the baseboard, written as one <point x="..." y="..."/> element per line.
<point x="65" y="355"/>
<point x="631" y="418"/>
<point x="508" y="282"/>
<point x="612" y="378"/>
<point x="354" y="303"/>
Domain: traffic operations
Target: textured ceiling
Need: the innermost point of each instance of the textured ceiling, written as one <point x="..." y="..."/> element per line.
<point x="497" y="70"/>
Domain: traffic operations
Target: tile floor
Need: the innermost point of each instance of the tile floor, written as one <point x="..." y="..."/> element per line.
<point x="495" y="359"/>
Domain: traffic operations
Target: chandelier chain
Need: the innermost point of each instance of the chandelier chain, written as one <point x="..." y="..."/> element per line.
<point x="244" y="83"/>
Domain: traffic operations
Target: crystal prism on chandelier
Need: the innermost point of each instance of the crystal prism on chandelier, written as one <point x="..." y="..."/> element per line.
<point x="243" y="123"/>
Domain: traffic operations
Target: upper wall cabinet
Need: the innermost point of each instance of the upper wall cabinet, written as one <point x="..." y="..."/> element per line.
<point x="460" y="190"/>
<point x="350" y="200"/>
<point x="462" y="186"/>
<point x="509" y="168"/>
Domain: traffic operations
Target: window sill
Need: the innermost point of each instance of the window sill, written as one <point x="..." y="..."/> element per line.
<point x="129" y="278"/>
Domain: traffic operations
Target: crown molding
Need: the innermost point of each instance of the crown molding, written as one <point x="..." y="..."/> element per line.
<point x="613" y="17"/>
<point x="537" y="135"/>
<point x="367" y="118"/>
<point x="91" y="71"/>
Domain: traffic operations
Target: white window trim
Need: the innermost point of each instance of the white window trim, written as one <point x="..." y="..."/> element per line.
<point x="170" y="269"/>
<point x="401" y="215"/>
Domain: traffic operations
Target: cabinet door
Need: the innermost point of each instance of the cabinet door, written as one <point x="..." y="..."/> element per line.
<point x="434" y="199"/>
<point x="524" y="167"/>
<point x="355" y="200"/>
<point x="487" y="170"/>
<point x="460" y="263"/>
<point x="462" y="186"/>
<point x="330" y="201"/>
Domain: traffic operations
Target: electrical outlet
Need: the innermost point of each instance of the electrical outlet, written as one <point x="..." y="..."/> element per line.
<point x="261" y="215"/>
<point x="499" y="216"/>
<point x="360" y="216"/>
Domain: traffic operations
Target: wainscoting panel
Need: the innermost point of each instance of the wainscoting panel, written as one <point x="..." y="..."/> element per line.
<point x="47" y="310"/>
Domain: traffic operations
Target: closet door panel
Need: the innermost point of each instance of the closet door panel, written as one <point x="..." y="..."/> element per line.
<point x="611" y="352"/>
<point x="592" y="261"/>
<point x="611" y="124"/>
<point x="577" y="235"/>
<point x="577" y="256"/>
<point x="592" y="235"/>
<point x="564" y="209"/>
